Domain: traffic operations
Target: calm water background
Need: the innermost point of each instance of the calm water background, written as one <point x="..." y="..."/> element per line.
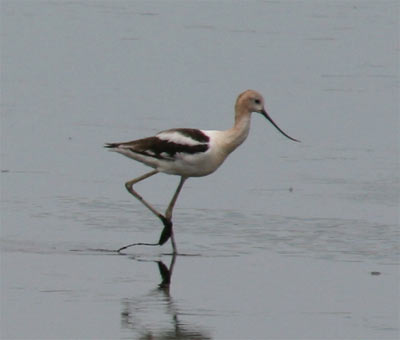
<point x="289" y="241"/>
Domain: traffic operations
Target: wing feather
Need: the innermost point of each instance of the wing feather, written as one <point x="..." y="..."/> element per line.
<point x="165" y="145"/>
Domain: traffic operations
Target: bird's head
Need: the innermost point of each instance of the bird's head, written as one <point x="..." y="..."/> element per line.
<point x="251" y="101"/>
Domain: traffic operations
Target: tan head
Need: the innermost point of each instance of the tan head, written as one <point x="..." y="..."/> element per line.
<point x="251" y="101"/>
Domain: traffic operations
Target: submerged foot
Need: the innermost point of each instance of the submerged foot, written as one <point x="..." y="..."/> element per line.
<point x="164" y="237"/>
<point x="136" y="244"/>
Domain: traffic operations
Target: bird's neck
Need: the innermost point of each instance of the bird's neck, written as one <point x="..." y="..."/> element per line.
<point x="238" y="133"/>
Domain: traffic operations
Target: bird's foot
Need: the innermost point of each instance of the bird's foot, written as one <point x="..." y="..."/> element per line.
<point x="167" y="231"/>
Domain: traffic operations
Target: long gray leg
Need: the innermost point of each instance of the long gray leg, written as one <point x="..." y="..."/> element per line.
<point x="129" y="187"/>
<point x="168" y="212"/>
<point x="168" y="231"/>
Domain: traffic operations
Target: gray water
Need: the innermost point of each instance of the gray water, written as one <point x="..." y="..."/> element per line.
<point x="284" y="241"/>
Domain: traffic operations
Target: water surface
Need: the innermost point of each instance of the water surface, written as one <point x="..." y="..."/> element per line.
<point x="285" y="241"/>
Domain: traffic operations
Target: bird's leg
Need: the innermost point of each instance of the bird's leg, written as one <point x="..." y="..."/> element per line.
<point x="168" y="231"/>
<point x="166" y="220"/>
<point x="168" y="212"/>
<point x="129" y="187"/>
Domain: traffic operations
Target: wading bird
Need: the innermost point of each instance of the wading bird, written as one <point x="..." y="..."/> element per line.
<point x="189" y="153"/>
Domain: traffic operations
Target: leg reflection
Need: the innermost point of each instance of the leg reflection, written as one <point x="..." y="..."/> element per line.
<point x="166" y="273"/>
<point x="156" y="316"/>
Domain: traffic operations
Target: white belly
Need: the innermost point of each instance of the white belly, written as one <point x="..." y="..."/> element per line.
<point x="191" y="165"/>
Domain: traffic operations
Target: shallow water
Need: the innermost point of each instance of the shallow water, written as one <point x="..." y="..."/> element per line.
<point x="286" y="240"/>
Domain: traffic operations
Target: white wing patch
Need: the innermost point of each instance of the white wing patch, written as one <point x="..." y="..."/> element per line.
<point x="177" y="138"/>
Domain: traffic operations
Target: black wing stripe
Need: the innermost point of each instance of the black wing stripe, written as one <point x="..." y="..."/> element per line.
<point x="163" y="149"/>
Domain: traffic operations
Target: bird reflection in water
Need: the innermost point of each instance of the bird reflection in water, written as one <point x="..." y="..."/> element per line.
<point x="138" y="313"/>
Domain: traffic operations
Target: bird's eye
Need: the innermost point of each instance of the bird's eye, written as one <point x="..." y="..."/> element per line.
<point x="257" y="101"/>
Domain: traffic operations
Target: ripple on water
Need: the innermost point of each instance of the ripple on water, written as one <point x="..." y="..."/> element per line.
<point x="214" y="232"/>
<point x="325" y="238"/>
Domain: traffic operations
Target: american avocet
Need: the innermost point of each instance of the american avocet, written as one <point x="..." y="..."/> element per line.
<point x="189" y="153"/>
